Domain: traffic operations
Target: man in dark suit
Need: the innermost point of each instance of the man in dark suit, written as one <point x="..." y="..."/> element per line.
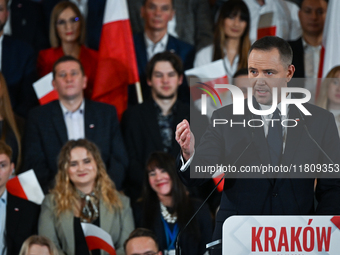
<point x="94" y="19"/>
<point x="306" y="49"/>
<point x="20" y="216"/>
<point x="193" y="21"/>
<point x="270" y="67"/>
<point x="49" y="126"/>
<point x="18" y="67"/>
<point x="149" y="127"/>
<point x="27" y="23"/>
<point x="155" y="39"/>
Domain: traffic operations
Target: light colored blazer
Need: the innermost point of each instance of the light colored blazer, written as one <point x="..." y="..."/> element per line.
<point x="60" y="229"/>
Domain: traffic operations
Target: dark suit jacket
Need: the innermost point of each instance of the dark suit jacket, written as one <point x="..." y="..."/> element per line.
<point x="224" y="144"/>
<point x="18" y="67"/>
<point x="298" y="58"/>
<point x="188" y="244"/>
<point x="184" y="50"/>
<point x="142" y="137"/>
<point x="193" y="21"/>
<point x="27" y="23"/>
<point x="21" y="222"/>
<point x="94" y="20"/>
<point x="46" y="133"/>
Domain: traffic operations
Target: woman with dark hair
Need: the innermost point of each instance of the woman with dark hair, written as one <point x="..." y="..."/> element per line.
<point x="11" y="126"/>
<point x="231" y="39"/>
<point x="83" y="193"/>
<point x="165" y="208"/>
<point x="67" y="37"/>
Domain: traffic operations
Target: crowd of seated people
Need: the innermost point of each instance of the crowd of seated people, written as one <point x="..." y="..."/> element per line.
<point x="119" y="176"/>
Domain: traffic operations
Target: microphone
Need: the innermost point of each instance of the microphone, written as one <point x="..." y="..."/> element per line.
<point x="313" y="140"/>
<point x="178" y="250"/>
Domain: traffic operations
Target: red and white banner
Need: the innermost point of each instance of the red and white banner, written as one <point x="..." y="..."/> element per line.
<point x="330" y="53"/>
<point x="286" y="235"/>
<point x="117" y="64"/>
<point x="26" y="186"/>
<point x="211" y="74"/>
<point x="97" y="238"/>
<point x="44" y="90"/>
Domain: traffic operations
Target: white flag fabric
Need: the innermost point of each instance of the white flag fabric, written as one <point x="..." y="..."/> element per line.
<point x="44" y="90"/>
<point x="98" y="238"/>
<point x="26" y="186"/>
<point x="331" y="39"/>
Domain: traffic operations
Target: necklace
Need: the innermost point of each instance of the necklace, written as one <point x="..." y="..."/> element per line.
<point x="166" y="215"/>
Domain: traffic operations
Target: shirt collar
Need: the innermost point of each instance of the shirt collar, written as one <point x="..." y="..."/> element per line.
<point x="266" y="107"/>
<point x="150" y="43"/>
<point x="307" y="46"/>
<point x="3" y="198"/>
<point x="66" y="111"/>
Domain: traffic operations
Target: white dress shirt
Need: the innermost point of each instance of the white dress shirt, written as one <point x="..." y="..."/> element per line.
<point x="1" y="40"/>
<point x="311" y="63"/>
<point x="7" y="27"/>
<point x="74" y="122"/>
<point x="154" y="48"/>
<point x="3" y="204"/>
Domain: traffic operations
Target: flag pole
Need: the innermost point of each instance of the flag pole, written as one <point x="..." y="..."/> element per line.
<point x="139" y="92"/>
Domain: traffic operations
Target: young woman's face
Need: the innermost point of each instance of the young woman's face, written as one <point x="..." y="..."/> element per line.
<point x="333" y="93"/>
<point x="160" y="182"/>
<point x="68" y="26"/>
<point x="83" y="169"/>
<point x="234" y="27"/>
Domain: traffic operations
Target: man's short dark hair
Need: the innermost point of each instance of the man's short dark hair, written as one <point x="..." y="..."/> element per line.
<point x="300" y="4"/>
<point x="172" y="3"/>
<point x="268" y="43"/>
<point x="242" y="71"/>
<point x="66" y="59"/>
<point x="142" y="232"/>
<point x="167" y="56"/>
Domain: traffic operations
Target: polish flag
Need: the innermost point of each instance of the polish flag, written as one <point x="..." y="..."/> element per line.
<point x="331" y="38"/>
<point x="97" y="238"/>
<point x="210" y="74"/>
<point x="117" y="65"/>
<point x="26" y="186"/>
<point x="44" y="90"/>
<point x="330" y="52"/>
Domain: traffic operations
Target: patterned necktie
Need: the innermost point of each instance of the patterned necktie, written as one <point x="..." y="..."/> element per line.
<point x="274" y="139"/>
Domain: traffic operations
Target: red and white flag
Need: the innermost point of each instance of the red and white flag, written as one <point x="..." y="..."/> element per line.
<point x="26" y="186"/>
<point x="44" y="90"/>
<point x="330" y="54"/>
<point x="97" y="238"/>
<point x="117" y="65"/>
<point x="211" y="74"/>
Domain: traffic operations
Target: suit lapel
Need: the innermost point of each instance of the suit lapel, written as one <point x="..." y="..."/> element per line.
<point x="171" y="46"/>
<point x="5" y="55"/>
<point x="106" y="217"/>
<point x="293" y="136"/>
<point x="140" y="49"/>
<point x="59" y="122"/>
<point x="89" y="121"/>
<point x="67" y="225"/>
<point x="152" y="124"/>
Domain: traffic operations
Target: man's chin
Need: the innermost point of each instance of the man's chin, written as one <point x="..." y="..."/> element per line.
<point x="263" y="100"/>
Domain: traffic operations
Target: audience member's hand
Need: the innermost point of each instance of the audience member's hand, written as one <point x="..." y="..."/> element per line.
<point x="185" y="139"/>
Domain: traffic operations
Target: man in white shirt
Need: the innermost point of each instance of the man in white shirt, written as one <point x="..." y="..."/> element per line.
<point x="18" y="217"/>
<point x="307" y="48"/>
<point x="50" y="126"/>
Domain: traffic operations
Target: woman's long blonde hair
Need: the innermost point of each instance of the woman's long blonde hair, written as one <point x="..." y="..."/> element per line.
<point x="65" y="194"/>
<point x="7" y="114"/>
<point x="230" y="9"/>
<point x="322" y="100"/>
<point x="59" y="8"/>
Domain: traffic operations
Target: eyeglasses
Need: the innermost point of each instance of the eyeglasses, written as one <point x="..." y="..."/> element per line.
<point x="72" y="21"/>
<point x="146" y="253"/>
